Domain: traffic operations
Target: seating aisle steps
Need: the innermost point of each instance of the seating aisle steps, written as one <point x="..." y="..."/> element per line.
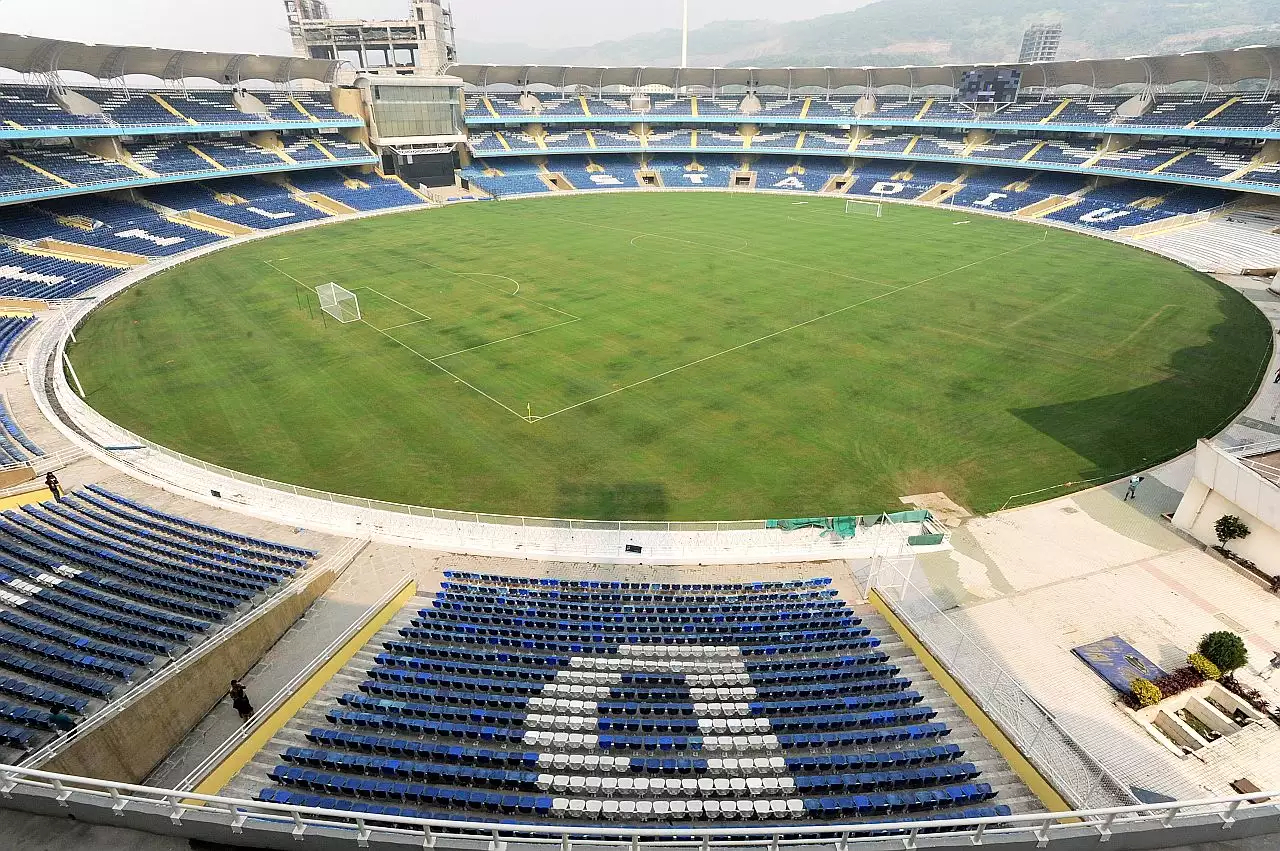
<point x="250" y="779"/>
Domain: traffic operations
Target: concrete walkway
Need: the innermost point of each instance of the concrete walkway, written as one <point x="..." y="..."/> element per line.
<point x="371" y="575"/>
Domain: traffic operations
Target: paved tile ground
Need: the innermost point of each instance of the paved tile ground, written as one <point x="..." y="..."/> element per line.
<point x="1032" y="583"/>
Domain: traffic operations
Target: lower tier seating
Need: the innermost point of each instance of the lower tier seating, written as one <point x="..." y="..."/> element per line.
<point x="1102" y="204"/>
<point x="528" y="700"/>
<point x="98" y="591"/>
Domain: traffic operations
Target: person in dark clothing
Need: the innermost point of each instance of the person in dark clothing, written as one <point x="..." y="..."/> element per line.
<point x="54" y="486"/>
<point x="61" y="720"/>
<point x="240" y="700"/>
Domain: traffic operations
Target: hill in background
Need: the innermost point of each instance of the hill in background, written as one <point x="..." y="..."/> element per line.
<point x="905" y="32"/>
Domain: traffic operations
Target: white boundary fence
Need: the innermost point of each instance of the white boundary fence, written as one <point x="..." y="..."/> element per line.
<point x="1076" y="774"/>
<point x="484" y="534"/>
<point x="713" y="542"/>
<point x="252" y="824"/>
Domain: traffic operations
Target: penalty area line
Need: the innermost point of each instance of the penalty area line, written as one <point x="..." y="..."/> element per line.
<point x="505" y="339"/>
<point x="455" y="377"/>
<point x="403" y="324"/>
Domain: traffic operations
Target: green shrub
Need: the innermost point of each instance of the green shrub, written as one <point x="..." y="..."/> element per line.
<point x="1145" y="692"/>
<point x="1224" y="649"/>
<point x="1229" y="527"/>
<point x="1203" y="666"/>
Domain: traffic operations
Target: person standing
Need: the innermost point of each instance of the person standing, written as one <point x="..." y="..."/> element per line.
<point x="54" y="486"/>
<point x="240" y="700"/>
<point x="61" y="720"/>
<point x="1132" y="492"/>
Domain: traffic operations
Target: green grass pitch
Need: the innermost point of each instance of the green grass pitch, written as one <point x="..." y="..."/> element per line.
<point x="678" y="356"/>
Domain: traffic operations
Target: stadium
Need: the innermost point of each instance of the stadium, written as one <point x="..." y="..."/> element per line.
<point x="567" y="456"/>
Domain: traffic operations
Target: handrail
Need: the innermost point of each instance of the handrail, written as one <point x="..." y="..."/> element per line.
<point x="264" y="712"/>
<point x="338" y="561"/>
<point x="1042" y="827"/>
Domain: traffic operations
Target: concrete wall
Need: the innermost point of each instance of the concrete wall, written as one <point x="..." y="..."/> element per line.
<point x="1222" y="485"/>
<point x="129" y="746"/>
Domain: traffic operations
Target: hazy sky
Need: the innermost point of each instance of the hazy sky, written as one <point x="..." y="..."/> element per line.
<point x="257" y="26"/>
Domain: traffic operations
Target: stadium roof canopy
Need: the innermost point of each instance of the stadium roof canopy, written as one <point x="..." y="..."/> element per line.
<point x="1215" y="68"/>
<point x="32" y="55"/>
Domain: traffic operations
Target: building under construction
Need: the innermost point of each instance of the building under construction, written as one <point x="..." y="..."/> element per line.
<point x="422" y="43"/>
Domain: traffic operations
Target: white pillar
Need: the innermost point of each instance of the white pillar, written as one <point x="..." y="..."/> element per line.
<point x="684" y="38"/>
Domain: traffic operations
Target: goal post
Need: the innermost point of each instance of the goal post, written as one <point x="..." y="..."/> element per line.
<point x="339" y="302"/>
<point x="864" y="208"/>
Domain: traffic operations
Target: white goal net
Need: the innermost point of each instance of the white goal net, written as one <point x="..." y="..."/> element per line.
<point x="864" y="208"/>
<point x="339" y="302"/>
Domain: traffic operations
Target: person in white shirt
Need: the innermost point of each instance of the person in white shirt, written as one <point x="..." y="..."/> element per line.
<point x="1132" y="492"/>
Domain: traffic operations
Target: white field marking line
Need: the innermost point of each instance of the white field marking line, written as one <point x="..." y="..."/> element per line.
<point x="1114" y="350"/>
<point x="995" y="338"/>
<point x="432" y="360"/>
<point x="404" y="345"/>
<point x="503" y="277"/>
<point x="504" y="339"/>
<point x="867" y="300"/>
<point x="402" y="304"/>
<point x="446" y="372"/>
<point x="1056" y="301"/>
<point x="791" y="263"/>
<point x="431" y="265"/>
<point x="286" y="274"/>
<point x="650" y="236"/>
<point x="405" y="324"/>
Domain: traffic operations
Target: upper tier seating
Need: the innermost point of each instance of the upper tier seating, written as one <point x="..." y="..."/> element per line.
<point x="534" y="700"/>
<point x="300" y="106"/>
<point x="33" y="108"/>
<point x="98" y="592"/>
<point x="1234" y="112"/>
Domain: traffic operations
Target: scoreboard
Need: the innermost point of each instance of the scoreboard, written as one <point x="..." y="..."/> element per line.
<point x="990" y="85"/>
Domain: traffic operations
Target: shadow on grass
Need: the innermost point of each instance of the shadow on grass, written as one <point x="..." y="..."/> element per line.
<point x="626" y="500"/>
<point x="1208" y="387"/>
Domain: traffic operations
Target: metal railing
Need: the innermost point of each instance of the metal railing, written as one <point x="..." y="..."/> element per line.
<point x="1079" y="776"/>
<point x="176" y="812"/>
<point x="336" y="561"/>
<point x="264" y="712"/>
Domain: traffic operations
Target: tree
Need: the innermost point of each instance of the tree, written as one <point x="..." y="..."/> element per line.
<point x="1224" y="649"/>
<point x="1230" y="528"/>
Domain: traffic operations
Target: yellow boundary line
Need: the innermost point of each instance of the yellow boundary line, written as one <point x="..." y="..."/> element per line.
<point x="240" y="757"/>
<point x="31" y="497"/>
<point x="1027" y="773"/>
